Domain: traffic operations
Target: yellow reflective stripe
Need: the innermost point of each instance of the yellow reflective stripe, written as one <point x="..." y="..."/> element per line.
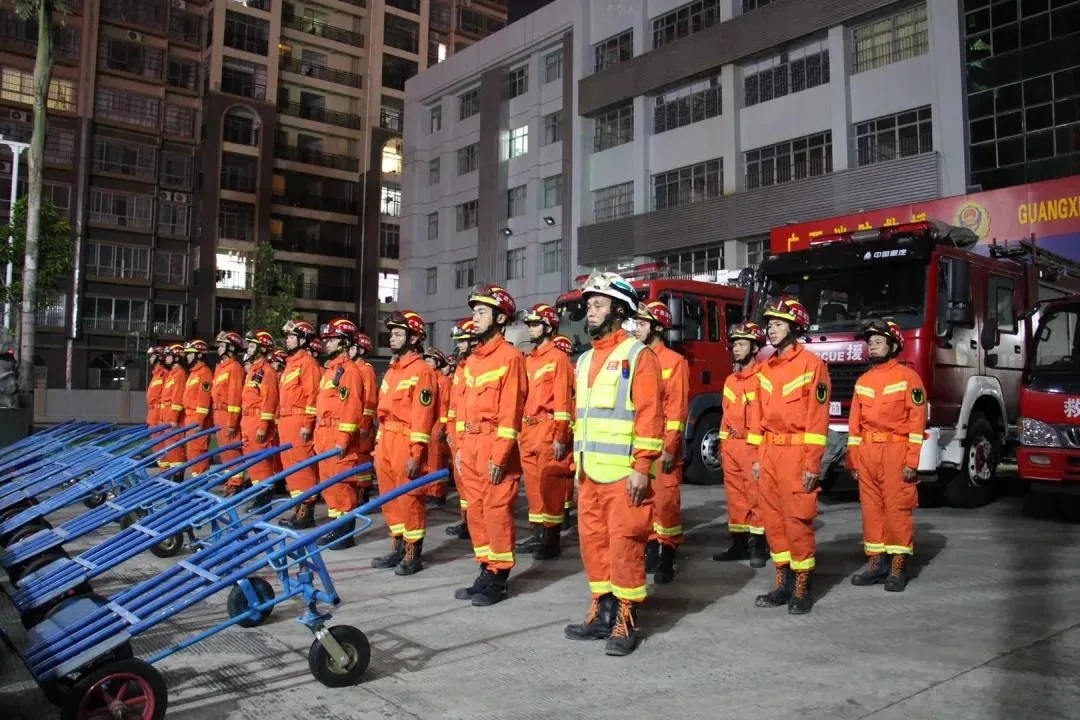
<point x="463" y="503"/>
<point x="724" y="434"/>
<point x="899" y="550"/>
<point x="177" y="407"/>
<point x="266" y="416"/>
<point x="803" y="565"/>
<point x="797" y="383"/>
<point x="544" y="370"/>
<point x="780" y="558"/>
<point x="754" y="439"/>
<point x="311" y="410"/>
<point x="738" y="528"/>
<point x="600" y="588"/>
<point x="384" y="387"/>
<point x="632" y="594"/>
<point x="676" y="425"/>
<point x="500" y="557"/>
<point x="749" y="397"/>
<point x="397" y="529"/>
<point x="665" y="373"/>
<point x="202" y="411"/>
<point x="484" y="378"/>
<point x="170" y="383"/>
<point x="916" y="438"/>
<point x="413" y="535"/>
<point x="894" y="388"/>
<point x="290" y="376"/>
<point x="419" y="437"/>
<point x="865" y="391"/>
<point x="814" y="439"/>
<point x="874" y="548"/>
<point x="368" y="412"/>
<point x="192" y="381"/>
<point x="765" y="383"/>
<point x="729" y="394"/>
<point x="233" y="408"/>
<point x="408" y="383"/>
<point x="459" y="426"/>
<point x="561" y="416"/>
<point x="854" y="441"/>
<point x="222" y="377"/>
<point x="444" y="419"/>
<point x="155" y="383"/>
<point x="662" y="531"/>
<point x="346" y="427"/>
<point x="641" y="443"/>
<point x="505" y="433"/>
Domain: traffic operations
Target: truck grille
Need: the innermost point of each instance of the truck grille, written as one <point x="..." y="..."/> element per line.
<point x="843" y="380"/>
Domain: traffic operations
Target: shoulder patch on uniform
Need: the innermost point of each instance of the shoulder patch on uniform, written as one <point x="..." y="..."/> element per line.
<point x="426" y="397"/>
<point x="206" y="387"/>
<point x="343" y="392"/>
<point x="918" y="396"/>
<point x="822" y="393"/>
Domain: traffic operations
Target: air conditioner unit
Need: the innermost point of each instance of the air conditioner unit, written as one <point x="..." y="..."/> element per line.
<point x="19" y="115"/>
<point x="164" y="195"/>
<point x="5" y="167"/>
<point x="134" y="36"/>
<point x="181" y="197"/>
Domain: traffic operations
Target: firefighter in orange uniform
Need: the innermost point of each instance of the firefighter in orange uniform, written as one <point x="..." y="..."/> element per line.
<point x="225" y="394"/>
<point x="618" y="439"/>
<point x="563" y="343"/>
<point x="885" y="437"/>
<point x="740" y="391"/>
<point x="653" y="320"/>
<point x="790" y="423"/>
<point x="259" y="403"/>
<point x="317" y="351"/>
<point x="154" y="386"/>
<point x="487" y="456"/>
<point x="298" y="389"/>
<point x="366" y="433"/>
<point x="438" y="456"/>
<point x="172" y="400"/>
<point x="464" y="337"/>
<point x="197" y="401"/>
<point x="545" y="433"/>
<point x="277" y="360"/>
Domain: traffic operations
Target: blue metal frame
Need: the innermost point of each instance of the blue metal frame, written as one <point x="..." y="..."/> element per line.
<point x="33" y="446"/>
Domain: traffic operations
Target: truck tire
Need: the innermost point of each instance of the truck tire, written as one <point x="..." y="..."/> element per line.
<point x="703" y="463"/>
<point x="974" y="483"/>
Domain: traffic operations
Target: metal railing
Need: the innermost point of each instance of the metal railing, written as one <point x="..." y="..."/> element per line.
<point x="331" y="117"/>
<point x="322" y="29"/>
<point x="321" y="72"/>
<point x="870" y="149"/>
<point x="316" y="157"/>
<point x="876" y="55"/>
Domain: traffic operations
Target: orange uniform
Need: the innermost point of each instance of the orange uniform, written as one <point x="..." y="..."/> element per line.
<point x="225" y="394"/>
<point x="172" y="409"/>
<point x="488" y="425"/>
<point x="298" y="389"/>
<point x="367" y="422"/>
<point x="196" y="404"/>
<point x="453" y="412"/>
<point x="667" y="487"/>
<point x="740" y="392"/>
<point x="339" y="408"/>
<point x="407" y="412"/>
<point x="886" y="426"/>
<point x="789" y="424"/>
<point x="259" y="402"/>
<point x="547" y="416"/>
<point x="154" y="389"/>
<point x="439" y="455"/>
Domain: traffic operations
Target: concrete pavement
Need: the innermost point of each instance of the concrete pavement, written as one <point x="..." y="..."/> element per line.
<point x="989" y="630"/>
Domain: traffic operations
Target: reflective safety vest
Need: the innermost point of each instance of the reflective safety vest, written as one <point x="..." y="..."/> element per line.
<point x="604" y="421"/>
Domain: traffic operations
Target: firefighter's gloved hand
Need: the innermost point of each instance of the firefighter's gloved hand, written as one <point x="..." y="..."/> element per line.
<point x="810" y="480"/>
<point x="412" y="468"/>
<point x="457" y="463"/>
<point x="755" y="471"/>
<point x="667" y="462"/>
<point x="560" y="450"/>
<point x="911" y="475"/>
<point x="637" y="486"/>
<point x="495" y="472"/>
<point x="260" y="436"/>
<point x="854" y="474"/>
<point x="340" y="450"/>
<point x="305" y="435"/>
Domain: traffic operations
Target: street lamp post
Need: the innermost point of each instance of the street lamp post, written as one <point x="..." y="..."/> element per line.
<point x="16" y="149"/>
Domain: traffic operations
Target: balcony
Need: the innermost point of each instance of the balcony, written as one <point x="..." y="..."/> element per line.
<point x="331" y="239"/>
<point x="139" y="13"/>
<point x="20" y="36"/>
<point x="246" y="84"/>
<point x="316" y="201"/>
<point x="113" y="325"/>
<point x="390" y="119"/>
<point x="316" y="157"/>
<point x="263" y="5"/>
<point x="185" y="27"/>
<point x="321" y="29"/>
<point x="325" y="292"/>
<point x="410" y="6"/>
<point x="321" y="72"/>
<point x="318" y="114"/>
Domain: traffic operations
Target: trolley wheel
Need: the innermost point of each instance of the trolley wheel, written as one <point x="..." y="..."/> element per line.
<point x="12" y="512"/>
<point x="30" y="528"/>
<point x="131" y="518"/>
<point x="327" y="671"/>
<point x="123" y="688"/>
<point x="237" y="603"/>
<point x="32" y="564"/>
<point x="169" y="547"/>
<point x="95" y="500"/>
<point x="120" y="652"/>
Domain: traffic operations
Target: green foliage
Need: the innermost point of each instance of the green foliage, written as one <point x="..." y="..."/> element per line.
<point x="56" y="250"/>
<point x="273" y="291"/>
<point x="29" y="8"/>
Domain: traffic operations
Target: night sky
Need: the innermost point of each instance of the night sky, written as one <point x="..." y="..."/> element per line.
<point x="518" y="9"/>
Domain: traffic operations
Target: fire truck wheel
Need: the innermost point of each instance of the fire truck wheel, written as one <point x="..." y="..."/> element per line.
<point x="974" y="483"/>
<point x="703" y="467"/>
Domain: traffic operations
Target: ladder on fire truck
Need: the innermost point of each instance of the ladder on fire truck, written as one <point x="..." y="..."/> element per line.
<point x="1052" y="267"/>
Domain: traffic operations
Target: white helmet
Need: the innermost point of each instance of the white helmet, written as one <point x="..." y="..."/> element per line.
<point x="611" y="285"/>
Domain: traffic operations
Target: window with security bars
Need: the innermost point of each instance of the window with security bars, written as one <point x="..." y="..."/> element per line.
<point x="613" y="51"/>
<point x="431" y="280"/>
<point x="702" y="261"/>
<point x="172" y="218"/>
<point x="890" y="39"/>
<point x="686" y="20"/>
<point x="128" y="159"/>
<point x="894" y="136"/>
<point x="756" y="251"/>
<point x="516" y="198"/>
<point x="468" y="104"/>
<point x="614" y="127"/>
<point x="751" y="5"/>
<point x="517" y="82"/>
<point x="553" y="66"/>
<point x="170" y="267"/>
<point x="690" y="184"/>
<point x="551" y="256"/>
<point x="518" y="143"/>
<point x="119" y="209"/>
<point x="696" y="101"/>
<point x="553" y="125"/>
<point x="18" y="86"/>
<point x="553" y="191"/>
<point x="389" y="241"/>
<point x="467" y="215"/>
<point x="613" y="202"/>
<point x="515" y="264"/>
<point x="179" y="121"/>
<point x="783" y="162"/>
<point x="433" y="226"/>
<point x="787" y="73"/>
<point x="464" y="273"/>
<point x="126" y="107"/>
<point x="466" y="158"/>
<point x="118" y="261"/>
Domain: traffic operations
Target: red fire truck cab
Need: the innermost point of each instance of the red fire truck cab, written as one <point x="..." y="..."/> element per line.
<point x="703" y="311"/>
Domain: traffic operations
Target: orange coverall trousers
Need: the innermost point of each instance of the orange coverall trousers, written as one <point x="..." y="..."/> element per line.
<point x="546" y="479"/>
<point x="289" y="432"/>
<point x="887" y="501"/>
<point x="341" y="496"/>
<point x="222" y="419"/>
<point x="491" y="507"/>
<point x="406" y="516"/>
<point x="249" y="427"/>
<point x="613" y="535"/>
<point x="667" y="507"/>
<point x="196" y="447"/>
<point x="741" y="488"/>
<point x="787" y="510"/>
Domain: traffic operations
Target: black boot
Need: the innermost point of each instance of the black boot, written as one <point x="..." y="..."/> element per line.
<point x="568" y="519"/>
<point x="598" y="621"/>
<point x="623" y="639"/>
<point x="533" y="542"/>
<point x="303" y="517"/>
<point x="341" y="538"/>
<point x="364" y="495"/>
<point x="652" y="557"/>
<point x="495" y="592"/>
<point x="665" y="570"/>
<point x="434" y="503"/>
<point x="801" y="602"/>
<point x="759" y="551"/>
<point x="410" y="562"/>
<point x="897" y="579"/>
<point x="391" y="559"/>
<point x="550" y="545"/>
<point x="780" y="594"/>
<point x="459" y="530"/>
<point x="479" y="584"/>
<point x="739" y="550"/>
<point x="261" y="502"/>
<point x="875" y="571"/>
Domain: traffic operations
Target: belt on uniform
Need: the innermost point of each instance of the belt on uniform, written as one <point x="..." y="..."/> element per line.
<point x="535" y="419"/>
<point x="325" y="422"/>
<point x="395" y="426"/>
<point x="477" y="428"/>
<point x="771" y="438"/>
<point x="883" y="437"/>
<point x="223" y="407"/>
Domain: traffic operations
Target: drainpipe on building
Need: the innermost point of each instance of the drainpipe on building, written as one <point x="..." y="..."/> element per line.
<point x="80" y="228"/>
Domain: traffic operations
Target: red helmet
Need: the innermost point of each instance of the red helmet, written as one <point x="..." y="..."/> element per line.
<point x="408" y="321"/>
<point x="340" y="328"/>
<point x="364" y="343"/>
<point x="279" y="356"/>
<point x="789" y="309"/>
<point x="299" y="328"/>
<point x="436" y="355"/>
<point x="451" y="361"/>
<point x="196" y="346"/>
<point x="228" y="337"/>
<point x="494" y="297"/>
<point x="174" y="349"/>
<point x="316" y="346"/>
<point x="261" y="338"/>
<point x="464" y="330"/>
<point x="542" y="313"/>
<point x="656" y="312"/>
<point x="747" y="331"/>
<point x="563" y="343"/>
<point x="155" y="351"/>
<point x="886" y="328"/>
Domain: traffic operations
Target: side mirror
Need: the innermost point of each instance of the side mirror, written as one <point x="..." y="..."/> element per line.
<point x="675" y="334"/>
<point x="990" y="336"/>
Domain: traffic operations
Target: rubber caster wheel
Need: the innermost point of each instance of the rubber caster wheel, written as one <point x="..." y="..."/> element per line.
<point x="130" y="519"/>
<point x="120" y="652"/>
<point x="5" y="539"/>
<point x="169" y="547"/>
<point x="31" y="528"/>
<point x="123" y="688"/>
<point x="237" y="603"/>
<point x="96" y="500"/>
<point x="32" y="564"/>
<point x="327" y="671"/>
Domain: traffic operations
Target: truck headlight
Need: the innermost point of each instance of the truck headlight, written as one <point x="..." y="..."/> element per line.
<point x="1036" y="433"/>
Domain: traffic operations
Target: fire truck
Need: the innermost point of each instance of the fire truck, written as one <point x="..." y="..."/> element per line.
<point x="1048" y="454"/>
<point x="961" y="306"/>
<point x="703" y="310"/>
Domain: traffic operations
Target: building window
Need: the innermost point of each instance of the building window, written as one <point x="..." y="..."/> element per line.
<point x="183" y="74"/>
<point x="388" y="286"/>
<point x="114" y="314"/>
<point x="172" y="218"/>
<point x="124" y="158"/>
<point x="689" y="184"/>
<point x="756" y="251"/>
<point x="466" y="158"/>
<point x="433" y="172"/>
<point x="553" y="127"/>
<point x="553" y="191"/>
<point x="515" y="201"/>
<point x="176" y="168"/>
<point x="551" y="256"/>
<point x="389" y="241"/>
<point x="179" y="121"/>
<point x="792" y="160"/>
<point x="127" y="107"/>
<point x="391" y="201"/>
<point x="247" y="33"/>
<point x="401" y="33"/>
<point x="519" y="141"/>
<point x="553" y="66"/>
<point x="614" y="127"/>
<point x="613" y="51"/>
<point x="787" y="73"/>
<point x="118" y="261"/>
<point x="246" y="79"/>
<point x="119" y="209"/>
<point x="518" y="82"/>
<point x="467" y="215"/>
<point x="468" y="104"/>
<point x="168" y="320"/>
<point x="515" y="264"/>
<point x="703" y="261"/>
<point x="464" y="273"/>
<point x="691" y="103"/>
<point x="613" y="202"/>
<point x="894" y="136"/>
<point x="686" y="20"/>
<point x="236" y="221"/>
<point x="751" y="5"/>
<point x="435" y="120"/>
<point x="396" y="71"/>
<point x="432" y="280"/>
<point x="18" y="87"/>
<point x="170" y="268"/>
<point x="897" y="37"/>
<point x="433" y="226"/>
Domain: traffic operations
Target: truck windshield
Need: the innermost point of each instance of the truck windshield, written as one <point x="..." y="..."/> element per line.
<point x="572" y="326"/>
<point x="840" y="300"/>
<point x="1055" y="360"/>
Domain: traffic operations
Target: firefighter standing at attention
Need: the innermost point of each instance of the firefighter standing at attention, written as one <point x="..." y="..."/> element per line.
<point x="298" y="389"/>
<point x="885" y="437"/>
<point x="277" y="360"/>
<point x="438" y="453"/>
<point x="563" y="343"/>
<point x="545" y="433"/>
<point x="154" y="386"/>
<point x="740" y="392"/>
<point x="197" y="401"/>
<point x="366" y="432"/>
<point x="408" y="411"/>
<point x="790" y="423"/>
<point x="172" y="399"/>
<point x="488" y="456"/>
<point x="225" y="395"/>
<point x="464" y="336"/>
<point x="259" y="405"/>
<point x="618" y="437"/>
